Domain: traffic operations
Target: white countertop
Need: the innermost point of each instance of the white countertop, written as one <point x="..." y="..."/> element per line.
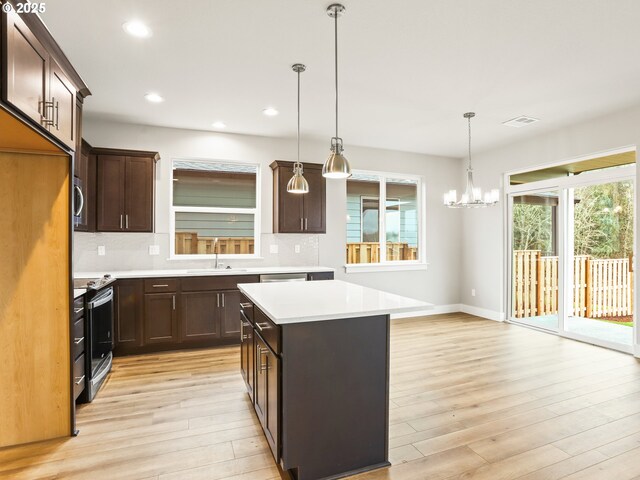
<point x="200" y="272"/>
<point x="297" y="302"/>
<point x="78" y="292"/>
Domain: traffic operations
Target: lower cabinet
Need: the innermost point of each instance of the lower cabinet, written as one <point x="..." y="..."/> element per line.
<point x="160" y="318"/>
<point x="129" y="312"/>
<point x="230" y="313"/>
<point x="199" y="316"/>
<point x="247" y="355"/>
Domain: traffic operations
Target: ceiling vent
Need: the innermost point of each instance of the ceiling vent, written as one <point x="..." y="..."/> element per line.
<point x="521" y="121"/>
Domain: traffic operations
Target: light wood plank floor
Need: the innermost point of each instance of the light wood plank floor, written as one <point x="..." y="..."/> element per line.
<point x="470" y="399"/>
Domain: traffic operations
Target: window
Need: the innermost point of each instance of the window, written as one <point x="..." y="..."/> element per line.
<point x="215" y="209"/>
<point x="400" y="199"/>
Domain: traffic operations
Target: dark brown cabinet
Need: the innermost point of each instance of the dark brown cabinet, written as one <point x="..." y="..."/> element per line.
<point x="230" y="313"/>
<point x="125" y="190"/>
<point x="160" y="318"/>
<point x="85" y="170"/>
<point x="247" y="355"/>
<point x="38" y="80"/>
<point x="128" y="314"/>
<point x="200" y="316"/>
<point x="266" y="392"/>
<point x="295" y="212"/>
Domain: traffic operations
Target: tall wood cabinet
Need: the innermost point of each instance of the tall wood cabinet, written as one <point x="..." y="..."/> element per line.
<point x="295" y="212"/>
<point x="125" y="190"/>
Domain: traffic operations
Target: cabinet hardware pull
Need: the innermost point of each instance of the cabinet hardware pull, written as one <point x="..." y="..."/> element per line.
<point x="223" y="300"/>
<point x="46" y="121"/>
<point x="79" y="381"/>
<point x="120" y="221"/>
<point x="173" y="298"/>
<point x="306" y="223"/>
<point x="57" y="114"/>
<point x="301" y="223"/>
<point x="78" y="341"/>
<point x="126" y="221"/>
<point x="259" y="326"/>
<point x="245" y="305"/>
<point x="259" y="351"/>
<point x="160" y="286"/>
<point x="265" y="367"/>
<point x="78" y="310"/>
<point x="218" y="300"/>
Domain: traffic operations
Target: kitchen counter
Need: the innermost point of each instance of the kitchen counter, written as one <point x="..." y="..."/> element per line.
<point x="315" y="358"/>
<point x="78" y="292"/>
<point x="298" y="302"/>
<point x="195" y="272"/>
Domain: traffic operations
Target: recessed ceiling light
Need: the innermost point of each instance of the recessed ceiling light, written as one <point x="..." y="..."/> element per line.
<point x="219" y="125"/>
<point x="270" y="112"/>
<point x="153" y="98"/>
<point x="136" y="29"/>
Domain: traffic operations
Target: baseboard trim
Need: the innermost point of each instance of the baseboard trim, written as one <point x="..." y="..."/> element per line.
<point x="482" y="312"/>
<point x="436" y="310"/>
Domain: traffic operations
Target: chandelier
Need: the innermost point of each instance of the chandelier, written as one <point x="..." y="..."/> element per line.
<point x="472" y="197"/>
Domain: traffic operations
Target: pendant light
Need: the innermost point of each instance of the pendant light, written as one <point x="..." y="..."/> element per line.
<point x="336" y="165"/>
<point x="297" y="183"/>
<point x="472" y="197"/>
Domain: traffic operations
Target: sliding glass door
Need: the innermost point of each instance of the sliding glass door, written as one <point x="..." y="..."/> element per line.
<point x="571" y="258"/>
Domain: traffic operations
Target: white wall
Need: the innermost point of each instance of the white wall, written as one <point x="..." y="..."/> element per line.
<point x="483" y="249"/>
<point x="438" y="284"/>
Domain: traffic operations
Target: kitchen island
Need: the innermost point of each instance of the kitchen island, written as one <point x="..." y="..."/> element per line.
<point x="315" y="357"/>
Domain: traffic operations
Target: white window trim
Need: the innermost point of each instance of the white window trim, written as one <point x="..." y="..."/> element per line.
<point x="384" y="265"/>
<point x="257" y="222"/>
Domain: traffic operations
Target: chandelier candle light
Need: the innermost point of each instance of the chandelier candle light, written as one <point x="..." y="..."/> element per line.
<point x="472" y="197"/>
<point x="297" y="183"/>
<point x="336" y="165"/>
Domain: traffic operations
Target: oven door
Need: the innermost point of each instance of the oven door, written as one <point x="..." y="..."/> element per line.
<point x="101" y="327"/>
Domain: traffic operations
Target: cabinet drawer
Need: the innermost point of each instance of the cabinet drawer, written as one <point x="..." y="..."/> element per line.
<point x="267" y="330"/>
<point x="160" y="285"/>
<point x="78" y="376"/>
<point x="78" y="338"/>
<point x="78" y="308"/>
<point x="320" y="276"/>
<point x="222" y="282"/>
<point x="246" y="307"/>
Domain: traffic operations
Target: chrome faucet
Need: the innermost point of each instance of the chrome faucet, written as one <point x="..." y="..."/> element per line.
<point x="216" y="251"/>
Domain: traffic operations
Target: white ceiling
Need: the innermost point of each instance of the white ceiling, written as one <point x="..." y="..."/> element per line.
<point x="409" y="69"/>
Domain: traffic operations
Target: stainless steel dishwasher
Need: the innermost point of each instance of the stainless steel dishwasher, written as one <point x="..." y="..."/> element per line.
<point x="283" y="277"/>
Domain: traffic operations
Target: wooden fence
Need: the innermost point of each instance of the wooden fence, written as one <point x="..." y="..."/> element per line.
<point x="600" y="287"/>
<point x="189" y="243"/>
<point x="369" y="252"/>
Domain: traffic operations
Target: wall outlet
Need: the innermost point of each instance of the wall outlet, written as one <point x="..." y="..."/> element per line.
<point x="102" y="251"/>
<point x="473" y="292"/>
<point x="154" y="249"/>
<point x="296" y="248"/>
<point x="273" y="248"/>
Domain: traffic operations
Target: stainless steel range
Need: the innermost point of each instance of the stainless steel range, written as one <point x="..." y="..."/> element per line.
<point x="99" y="328"/>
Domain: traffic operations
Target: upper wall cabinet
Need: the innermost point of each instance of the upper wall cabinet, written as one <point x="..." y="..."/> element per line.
<point x="125" y="190"/>
<point x="38" y="79"/>
<point x="295" y="212"/>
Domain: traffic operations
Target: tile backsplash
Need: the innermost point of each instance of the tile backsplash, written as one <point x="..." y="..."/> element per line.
<point x="130" y="251"/>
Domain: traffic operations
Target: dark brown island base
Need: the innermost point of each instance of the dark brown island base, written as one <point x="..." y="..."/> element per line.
<point x="319" y="382"/>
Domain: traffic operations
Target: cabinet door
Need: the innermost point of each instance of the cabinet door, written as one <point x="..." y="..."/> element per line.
<point x="160" y="319"/>
<point x="200" y="316"/>
<point x="110" y="193"/>
<point x="271" y="423"/>
<point x="315" y="202"/>
<point x="260" y="379"/>
<point x="27" y="73"/>
<point x="129" y="313"/>
<point x="138" y="194"/>
<point x="290" y="215"/>
<point x="230" y="313"/>
<point x="62" y="94"/>
<point x="81" y="170"/>
<point x="247" y="355"/>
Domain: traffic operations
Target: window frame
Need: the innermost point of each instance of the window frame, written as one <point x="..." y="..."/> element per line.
<point x="384" y="264"/>
<point x="256" y="212"/>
